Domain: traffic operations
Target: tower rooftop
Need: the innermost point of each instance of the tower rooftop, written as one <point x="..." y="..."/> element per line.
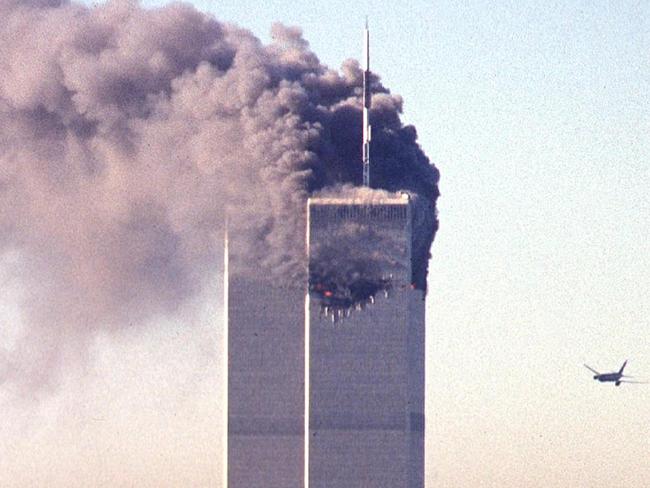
<point x="365" y="198"/>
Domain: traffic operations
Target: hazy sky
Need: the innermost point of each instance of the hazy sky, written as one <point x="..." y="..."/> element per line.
<point x="538" y="116"/>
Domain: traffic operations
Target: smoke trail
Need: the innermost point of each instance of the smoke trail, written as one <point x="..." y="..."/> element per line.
<point x="127" y="135"/>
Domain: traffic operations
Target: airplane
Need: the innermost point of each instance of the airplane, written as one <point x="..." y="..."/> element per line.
<point x="613" y="377"/>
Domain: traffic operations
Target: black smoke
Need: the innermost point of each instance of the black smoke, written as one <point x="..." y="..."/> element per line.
<point x="126" y="137"/>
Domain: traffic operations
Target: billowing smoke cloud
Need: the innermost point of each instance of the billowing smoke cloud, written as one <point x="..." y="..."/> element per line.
<point x="126" y="137"/>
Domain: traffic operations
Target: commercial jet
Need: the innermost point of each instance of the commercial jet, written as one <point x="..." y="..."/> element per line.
<point x="615" y="377"/>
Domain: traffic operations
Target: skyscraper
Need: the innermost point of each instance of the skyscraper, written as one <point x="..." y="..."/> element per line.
<point x="365" y="356"/>
<point x="265" y="412"/>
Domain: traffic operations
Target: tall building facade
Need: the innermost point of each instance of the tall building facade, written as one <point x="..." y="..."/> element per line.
<point x="364" y="363"/>
<point x="266" y="397"/>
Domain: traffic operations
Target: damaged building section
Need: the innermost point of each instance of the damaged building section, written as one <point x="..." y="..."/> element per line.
<point x="359" y="250"/>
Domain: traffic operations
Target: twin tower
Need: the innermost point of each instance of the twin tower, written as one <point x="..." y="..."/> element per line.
<point x="326" y="377"/>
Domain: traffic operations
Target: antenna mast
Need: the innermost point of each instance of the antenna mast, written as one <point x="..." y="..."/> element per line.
<point x="366" y="106"/>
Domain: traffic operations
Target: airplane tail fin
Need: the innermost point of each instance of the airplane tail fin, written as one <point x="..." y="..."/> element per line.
<point x="622" y="367"/>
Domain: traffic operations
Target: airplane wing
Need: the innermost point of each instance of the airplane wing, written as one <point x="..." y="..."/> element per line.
<point x="637" y="382"/>
<point x="591" y="369"/>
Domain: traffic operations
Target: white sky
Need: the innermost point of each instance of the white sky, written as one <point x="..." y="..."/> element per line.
<point x="538" y="116"/>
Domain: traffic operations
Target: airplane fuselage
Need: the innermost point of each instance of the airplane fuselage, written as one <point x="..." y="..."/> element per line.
<point x="608" y="377"/>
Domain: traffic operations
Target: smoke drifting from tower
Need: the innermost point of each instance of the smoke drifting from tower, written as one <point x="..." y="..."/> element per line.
<point x="127" y="135"/>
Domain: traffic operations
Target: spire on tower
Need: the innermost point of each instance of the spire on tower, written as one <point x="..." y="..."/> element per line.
<point x="366" y="106"/>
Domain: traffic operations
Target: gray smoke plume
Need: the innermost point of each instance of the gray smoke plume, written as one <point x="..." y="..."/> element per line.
<point x="126" y="137"/>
